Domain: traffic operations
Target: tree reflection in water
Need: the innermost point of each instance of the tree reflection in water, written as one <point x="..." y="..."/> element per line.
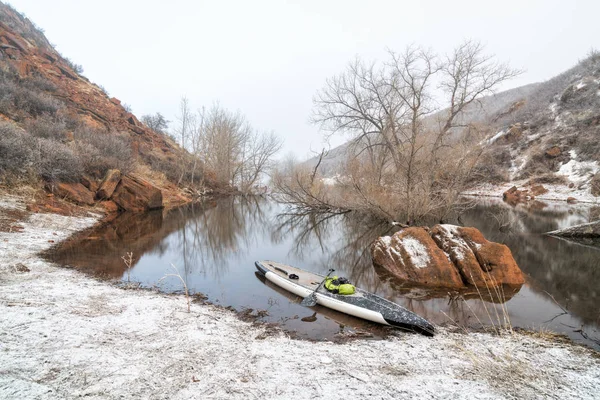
<point x="215" y="244"/>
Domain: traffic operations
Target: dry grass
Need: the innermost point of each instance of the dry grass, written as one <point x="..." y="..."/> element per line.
<point x="178" y="276"/>
<point x="128" y="260"/>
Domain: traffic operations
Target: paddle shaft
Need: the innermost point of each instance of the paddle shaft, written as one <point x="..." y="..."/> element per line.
<point x="311" y="299"/>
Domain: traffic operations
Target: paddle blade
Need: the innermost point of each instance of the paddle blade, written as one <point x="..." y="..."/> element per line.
<point x="310" y="300"/>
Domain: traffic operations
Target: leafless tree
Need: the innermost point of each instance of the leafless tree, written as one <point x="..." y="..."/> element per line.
<point x="185" y="117"/>
<point x="257" y="158"/>
<point x="156" y="122"/>
<point x="227" y="145"/>
<point x="407" y="158"/>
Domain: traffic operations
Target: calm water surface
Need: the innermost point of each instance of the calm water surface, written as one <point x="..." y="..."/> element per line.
<point x="214" y="246"/>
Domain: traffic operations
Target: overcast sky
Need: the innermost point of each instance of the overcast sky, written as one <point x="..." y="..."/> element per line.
<point x="268" y="58"/>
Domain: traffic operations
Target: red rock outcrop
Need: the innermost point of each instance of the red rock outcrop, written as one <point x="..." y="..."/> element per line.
<point x="538" y="190"/>
<point x="514" y="196"/>
<point x="553" y="152"/>
<point x="109" y="184"/>
<point x="75" y="192"/>
<point x="412" y="256"/>
<point x="136" y="194"/>
<point x="449" y="256"/>
<point x="26" y="49"/>
<point x="480" y="262"/>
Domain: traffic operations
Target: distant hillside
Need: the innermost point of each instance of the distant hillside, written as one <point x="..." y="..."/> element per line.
<point x="549" y="131"/>
<point x="59" y="126"/>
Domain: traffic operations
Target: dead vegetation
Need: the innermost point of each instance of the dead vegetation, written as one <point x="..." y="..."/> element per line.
<point x="401" y="166"/>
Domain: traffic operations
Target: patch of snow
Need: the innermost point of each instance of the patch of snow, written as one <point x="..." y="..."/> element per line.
<point x="580" y="85"/>
<point x="578" y="171"/>
<point x="387" y="240"/>
<point x="496" y="136"/>
<point x="416" y="252"/>
<point x="515" y="169"/>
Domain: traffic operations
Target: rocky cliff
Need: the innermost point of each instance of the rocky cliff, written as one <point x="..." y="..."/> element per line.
<point x="40" y="85"/>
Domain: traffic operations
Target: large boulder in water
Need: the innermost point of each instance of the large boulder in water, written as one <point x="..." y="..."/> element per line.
<point x="137" y="195"/>
<point x="412" y="256"/>
<point x="480" y="262"/>
<point x="448" y="256"/>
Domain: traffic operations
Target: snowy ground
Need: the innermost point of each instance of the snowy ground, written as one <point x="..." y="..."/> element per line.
<point x="65" y="335"/>
<point x="555" y="192"/>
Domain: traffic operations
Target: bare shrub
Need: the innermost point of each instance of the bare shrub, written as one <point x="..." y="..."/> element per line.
<point x="588" y="143"/>
<point x="492" y="166"/>
<point x="39" y="83"/>
<point x="403" y="165"/>
<point x="549" y="178"/>
<point x="16" y="154"/>
<point x="56" y="161"/>
<point x="101" y="151"/>
<point x="157" y="122"/>
<point x="47" y="127"/>
<point x="21" y="101"/>
<point x="75" y="67"/>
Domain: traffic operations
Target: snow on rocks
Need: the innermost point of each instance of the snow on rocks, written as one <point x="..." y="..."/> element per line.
<point x="64" y="335"/>
<point x="578" y="172"/>
<point x="446" y="256"/>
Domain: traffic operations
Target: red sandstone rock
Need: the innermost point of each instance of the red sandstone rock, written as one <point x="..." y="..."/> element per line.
<point x="538" y="190"/>
<point x="514" y="196"/>
<point x="413" y="257"/>
<point x="135" y="194"/>
<point x="89" y="183"/>
<point x="451" y="257"/>
<point x="75" y="192"/>
<point x="110" y="206"/>
<point x="109" y="184"/>
<point x="553" y="152"/>
<point x="481" y="263"/>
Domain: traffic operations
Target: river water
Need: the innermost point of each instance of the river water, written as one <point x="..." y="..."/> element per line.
<point x="213" y="246"/>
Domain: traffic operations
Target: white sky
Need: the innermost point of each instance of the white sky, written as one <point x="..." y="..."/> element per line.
<point x="268" y="58"/>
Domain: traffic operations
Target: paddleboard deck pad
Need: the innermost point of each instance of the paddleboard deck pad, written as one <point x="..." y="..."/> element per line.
<point x="361" y="304"/>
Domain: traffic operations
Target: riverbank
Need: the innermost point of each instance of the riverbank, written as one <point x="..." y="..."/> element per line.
<point x="556" y="192"/>
<point x="65" y="335"/>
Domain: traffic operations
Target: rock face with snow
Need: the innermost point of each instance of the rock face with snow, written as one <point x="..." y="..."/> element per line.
<point x="480" y="262"/>
<point x="448" y="256"/>
<point x="412" y="256"/>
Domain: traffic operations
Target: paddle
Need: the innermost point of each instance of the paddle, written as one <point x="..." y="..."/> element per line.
<point x="311" y="299"/>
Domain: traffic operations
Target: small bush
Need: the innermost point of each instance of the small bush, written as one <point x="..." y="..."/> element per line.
<point x="492" y="166"/>
<point x="39" y="83"/>
<point x="56" y="161"/>
<point x="75" y="67"/>
<point x="549" y="178"/>
<point x="16" y="99"/>
<point x="47" y="127"/>
<point x="16" y="154"/>
<point x="101" y="151"/>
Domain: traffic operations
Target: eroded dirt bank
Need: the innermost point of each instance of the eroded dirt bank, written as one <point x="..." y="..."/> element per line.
<point x="65" y="335"/>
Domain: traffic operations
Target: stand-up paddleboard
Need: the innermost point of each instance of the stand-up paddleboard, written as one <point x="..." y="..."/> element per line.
<point x="361" y="304"/>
